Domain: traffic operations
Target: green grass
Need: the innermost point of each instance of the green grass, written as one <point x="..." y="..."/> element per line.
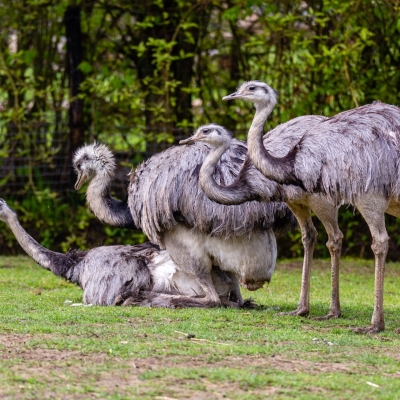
<point x="49" y="349"/>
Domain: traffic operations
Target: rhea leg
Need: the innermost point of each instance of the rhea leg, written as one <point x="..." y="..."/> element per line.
<point x="373" y="210"/>
<point x="327" y="214"/>
<point x="236" y="295"/>
<point x="309" y="238"/>
<point x="193" y="260"/>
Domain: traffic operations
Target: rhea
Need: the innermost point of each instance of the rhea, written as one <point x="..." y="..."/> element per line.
<point x="115" y="275"/>
<point x="251" y="184"/>
<point x="351" y="158"/>
<point x="166" y="202"/>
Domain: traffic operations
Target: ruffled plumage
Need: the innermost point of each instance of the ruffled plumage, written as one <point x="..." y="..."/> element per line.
<point x="165" y="190"/>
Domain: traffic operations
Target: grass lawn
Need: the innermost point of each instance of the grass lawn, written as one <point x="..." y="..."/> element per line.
<point x="52" y="350"/>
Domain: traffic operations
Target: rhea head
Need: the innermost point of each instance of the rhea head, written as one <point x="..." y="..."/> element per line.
<point x="257" y="92"/>
<point x="213" y="134"/>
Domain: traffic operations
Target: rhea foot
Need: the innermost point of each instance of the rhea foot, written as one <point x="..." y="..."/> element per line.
<point x="330" y="315"/>
<point x="249" y="304"/>
<point x="300" y="312"/>
<point x="118" y="300"/>
<point x="246" y="304"/>
<point x="225" y="302"/>
<point x="369" y="330"/>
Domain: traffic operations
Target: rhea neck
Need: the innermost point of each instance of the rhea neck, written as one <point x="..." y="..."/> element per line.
<point x="50" y="260"/>
<point x="274" y="168"/>
<point x="107" y="209"/>
<point x="236" y="193"/>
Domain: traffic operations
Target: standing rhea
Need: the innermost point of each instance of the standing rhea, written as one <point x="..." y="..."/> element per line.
<point x="167" y="203"/>
<point x="350" y="158"/>
<point x="128" y="275"/>
<point x="251" y="184"/>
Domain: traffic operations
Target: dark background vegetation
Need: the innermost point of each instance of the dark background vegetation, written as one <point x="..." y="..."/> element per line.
<point x="138" y="75"/>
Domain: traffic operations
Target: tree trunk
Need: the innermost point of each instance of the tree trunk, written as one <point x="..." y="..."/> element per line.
<point x="72" y="22"/>
<point x="173" y="104"/>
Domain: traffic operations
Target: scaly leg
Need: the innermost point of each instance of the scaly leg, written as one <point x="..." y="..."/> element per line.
<point x="373" y="210"/>
<point x="235" y="296"/>
<point x="327" y="214"/>
<point x="309" y="237"/>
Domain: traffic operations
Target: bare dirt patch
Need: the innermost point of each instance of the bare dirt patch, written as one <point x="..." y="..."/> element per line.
<point x="14" y="346"/>
<point x="214" y="391"/>
<point x="53" y="370"/>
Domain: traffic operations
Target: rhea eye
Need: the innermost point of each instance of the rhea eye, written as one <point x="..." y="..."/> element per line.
<point x="206" y="131"/>
<point x="78" y="165"/>
<point x="252" y="88"/>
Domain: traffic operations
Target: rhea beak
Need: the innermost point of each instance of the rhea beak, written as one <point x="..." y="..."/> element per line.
<point x="231" y="96"/>
<point x="191" y="140"/>
<point x="80" y="181"/>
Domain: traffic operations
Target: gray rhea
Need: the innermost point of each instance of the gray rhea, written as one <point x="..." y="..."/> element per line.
<point x="351" y="158"/>
<point x="251" y="184"/>
<point x="128" y="275"/>
<point x="96" y="163"/>
<point x="165" y="201"/>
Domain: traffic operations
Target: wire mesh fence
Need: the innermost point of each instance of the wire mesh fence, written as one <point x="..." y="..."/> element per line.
<point x="38" y="156"/>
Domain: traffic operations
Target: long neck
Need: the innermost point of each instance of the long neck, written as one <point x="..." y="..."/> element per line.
<point x="105" y="207"/>
<point x="237" y="192"/>
<point x="57" y="263"/>
<point x="277" y="169"/>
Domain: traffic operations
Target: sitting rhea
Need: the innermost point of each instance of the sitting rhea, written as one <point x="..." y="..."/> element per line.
<point x="115" y="275"/>
<point x="166" y="202"/>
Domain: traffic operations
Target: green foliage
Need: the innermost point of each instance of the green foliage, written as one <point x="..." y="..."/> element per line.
<point x="156" y="69"/>
<point x="357" y="238"/>
<point x="142" y="60"/>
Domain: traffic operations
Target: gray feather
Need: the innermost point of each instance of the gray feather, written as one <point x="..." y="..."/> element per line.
<point x="360" y="144"/>
<point x="165" y="190"/>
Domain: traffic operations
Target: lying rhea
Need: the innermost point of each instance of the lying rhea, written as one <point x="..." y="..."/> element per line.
<point x="127" y="275"/>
